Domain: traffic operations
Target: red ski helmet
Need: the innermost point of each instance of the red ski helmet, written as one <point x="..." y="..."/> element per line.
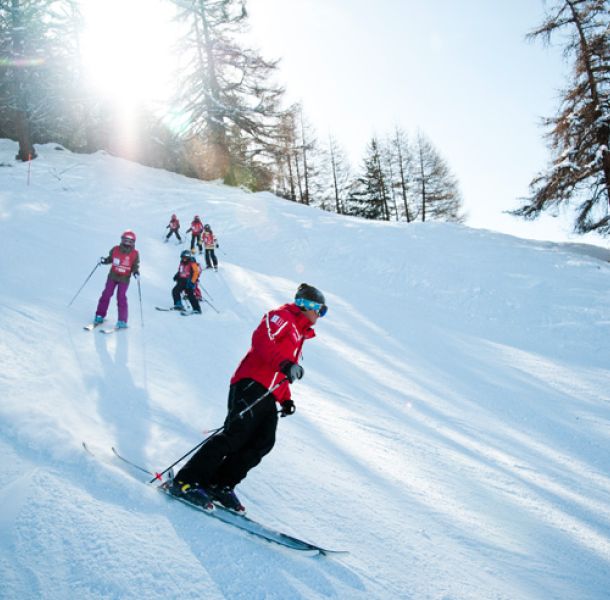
<point x="128" y="238"/>
<point x="173" y="216"/>
<point x="196" y="218"/>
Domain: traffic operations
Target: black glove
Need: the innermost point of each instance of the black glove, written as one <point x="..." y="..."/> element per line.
<point x="104" y="260"/>
<point x="136" y="274"/>
<point x="217" y="246"/>
<point x="288" y="408"/>
<point x="176" y="277"/>
<point x="291" y="370"/>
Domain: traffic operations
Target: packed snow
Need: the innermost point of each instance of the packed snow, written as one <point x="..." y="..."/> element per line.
<point x="451" y="432"/>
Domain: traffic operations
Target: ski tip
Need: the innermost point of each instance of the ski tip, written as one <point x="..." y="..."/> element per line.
<point x="325" y="552"/>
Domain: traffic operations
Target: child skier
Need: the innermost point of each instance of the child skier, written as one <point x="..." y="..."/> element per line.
<point x="125" y="261"/>
<point x="210" y="242"/>
<point x="174" y="228"/>
<point x="196" y="228"/>
<point x="186" y="279"/>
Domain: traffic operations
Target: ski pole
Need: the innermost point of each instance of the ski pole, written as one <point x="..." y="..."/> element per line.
<point x="208" y="302"/>
<point x="160" y="475"/>
<point x="216" y="431"/>
<point x="82" y="286"/>
<point x="140" y="297"/>
<point x="206" y="292"/>
<point x="269" y="391"/>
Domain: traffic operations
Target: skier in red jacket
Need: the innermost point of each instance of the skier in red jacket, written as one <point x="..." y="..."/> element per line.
<point x="125" y="261"/>
<point x="261" y="379"/>
<point x="196" y="229"/>
<point x="174" y="228"/>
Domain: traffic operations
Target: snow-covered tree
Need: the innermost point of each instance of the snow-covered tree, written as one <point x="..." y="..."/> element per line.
<point x="579" y="173"/>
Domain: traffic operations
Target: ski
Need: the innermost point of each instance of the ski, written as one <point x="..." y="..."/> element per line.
<point x="232" y="518"/>
<point x="189" y="313"/>
<point x="166" y="308"/>
<point x="112" y="329"/>
<point x="91" y="326"/>
<point x="158" y="476"/>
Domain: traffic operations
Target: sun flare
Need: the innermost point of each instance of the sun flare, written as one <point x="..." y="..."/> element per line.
<point x="127" y="49"/>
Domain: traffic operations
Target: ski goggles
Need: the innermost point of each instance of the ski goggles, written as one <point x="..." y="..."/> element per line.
<point x="321" y="309"/>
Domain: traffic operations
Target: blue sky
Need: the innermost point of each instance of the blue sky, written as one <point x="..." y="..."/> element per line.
<point x="462" y="72"/>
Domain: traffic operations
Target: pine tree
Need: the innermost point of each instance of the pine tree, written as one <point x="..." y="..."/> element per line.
<point x="579" y="133"/>
<point x="37" y="91"/>
<point x="369" y="194"/>
<point x="388" y="166"/>
<point x="435" y="188"/>
<point x="225" y="88"/>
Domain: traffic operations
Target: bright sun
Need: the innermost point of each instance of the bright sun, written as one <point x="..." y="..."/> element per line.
<point x="127" y="49"/>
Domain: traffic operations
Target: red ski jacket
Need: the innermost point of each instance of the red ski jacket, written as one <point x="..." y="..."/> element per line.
<point x="124" y="261"/>
<point x="196" y="227"/>
<point x="280" y="336"/>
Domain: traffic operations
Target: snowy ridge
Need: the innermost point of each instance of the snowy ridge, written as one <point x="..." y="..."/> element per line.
<point x="451" y="428"/>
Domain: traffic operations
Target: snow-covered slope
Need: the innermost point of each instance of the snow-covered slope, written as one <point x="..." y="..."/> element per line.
<point x="451" y="428"/>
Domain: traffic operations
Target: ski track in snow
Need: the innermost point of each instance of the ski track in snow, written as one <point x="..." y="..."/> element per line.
<point x="451" y="428"/>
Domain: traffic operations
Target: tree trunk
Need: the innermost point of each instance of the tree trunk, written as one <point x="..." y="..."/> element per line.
<point x="403" y="183"/>
<point x="334" y="169"/>
<point x="22" y="120"/>
<point x="423" y="184"/>
<point x="218" y="152"/>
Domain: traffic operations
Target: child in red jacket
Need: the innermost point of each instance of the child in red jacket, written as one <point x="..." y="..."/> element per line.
<point x="125" y="261"/>
<point x="196" y="229"/>
<point x="174" y="228"/>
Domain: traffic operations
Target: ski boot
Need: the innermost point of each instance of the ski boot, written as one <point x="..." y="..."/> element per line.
<point x="191" y="493"/>
<point x="226" y="497"/>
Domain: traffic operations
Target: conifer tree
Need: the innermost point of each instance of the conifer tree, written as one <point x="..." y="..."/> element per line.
<point x="579" y="134"/>
<point x="402" y="154"/>
<point x="225" y="88"/>
<point x="338" y="177"/>
<point x="369" y="194"/>
<point x="435" y="188"/>
<point x="37" y="88"/>
<point x="284" y="177"/>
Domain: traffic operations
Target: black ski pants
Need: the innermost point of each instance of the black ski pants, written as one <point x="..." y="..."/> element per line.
<point x="210" y="258"/>
<point x="196" y="239"/>
<point x="175" y="232"/>
<point x="190" y="294"/>
<point x="227" y="456"/>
